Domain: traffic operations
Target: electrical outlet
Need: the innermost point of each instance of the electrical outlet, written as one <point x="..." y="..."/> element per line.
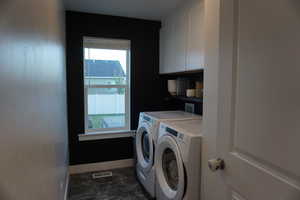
<point x="190" y="107"/>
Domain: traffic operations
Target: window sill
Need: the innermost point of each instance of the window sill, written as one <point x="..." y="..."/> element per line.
<point x="105" y="135"/>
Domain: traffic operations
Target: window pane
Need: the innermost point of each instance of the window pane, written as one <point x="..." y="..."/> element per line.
<point x="105" y="66"/>
<point x="106" y="79"/>
<point x="106" y="108"/>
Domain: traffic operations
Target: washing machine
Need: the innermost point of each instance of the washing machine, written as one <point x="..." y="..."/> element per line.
<point x="178" y="160"/>
<point x="146" y="140"/>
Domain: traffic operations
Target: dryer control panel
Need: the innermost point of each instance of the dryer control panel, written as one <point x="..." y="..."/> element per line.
<point x="175" y="133"/>
<point x="172" y="131"/>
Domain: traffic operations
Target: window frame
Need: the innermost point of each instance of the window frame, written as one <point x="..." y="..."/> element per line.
<point x="112" y="44"/>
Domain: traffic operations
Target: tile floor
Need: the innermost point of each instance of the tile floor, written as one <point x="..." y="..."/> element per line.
<point x="121" y="186"/>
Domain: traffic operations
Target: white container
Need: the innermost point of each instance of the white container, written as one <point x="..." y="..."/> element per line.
<point x="190" y="92"/>
<point x="172" y="87"/>
<point x="199" y="93"/>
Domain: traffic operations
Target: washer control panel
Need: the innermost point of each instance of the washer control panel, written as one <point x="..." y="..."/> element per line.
<point x="147" y="119"/>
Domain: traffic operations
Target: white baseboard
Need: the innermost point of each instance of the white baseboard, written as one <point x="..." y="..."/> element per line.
<point x="67" y="186"/>
<point x="83" y="168"/>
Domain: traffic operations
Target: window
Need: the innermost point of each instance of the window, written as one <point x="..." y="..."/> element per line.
<point x="107" y="85"/>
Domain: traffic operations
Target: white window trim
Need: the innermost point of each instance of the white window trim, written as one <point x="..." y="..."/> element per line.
<point x="106" y="135"/>
<point x="117" y="44"/>
<point x="91" y="134"/>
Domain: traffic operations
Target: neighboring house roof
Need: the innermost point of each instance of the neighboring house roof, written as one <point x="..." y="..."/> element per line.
<point x="103" y="68"/>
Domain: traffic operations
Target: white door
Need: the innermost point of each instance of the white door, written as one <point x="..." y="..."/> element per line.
<point x="258" y="132"/>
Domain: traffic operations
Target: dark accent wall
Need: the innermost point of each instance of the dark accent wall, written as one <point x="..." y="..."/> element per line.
<point x="148" y="89"/>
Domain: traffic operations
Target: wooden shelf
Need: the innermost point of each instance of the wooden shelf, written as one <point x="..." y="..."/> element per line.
<point x="188" y="99"/>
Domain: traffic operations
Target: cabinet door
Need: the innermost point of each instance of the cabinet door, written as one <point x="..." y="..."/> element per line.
<point x="195" y="42"/>
<point x="179" y="40"/>
<point x="166" y="48"/>
<point x="173" y="40"/>
<point x="162" y="51"/>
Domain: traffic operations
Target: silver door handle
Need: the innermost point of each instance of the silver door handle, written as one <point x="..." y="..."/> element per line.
<point x="216" y="164"/>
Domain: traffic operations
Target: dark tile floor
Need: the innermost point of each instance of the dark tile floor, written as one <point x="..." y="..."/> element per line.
<point x="121" y="186"/>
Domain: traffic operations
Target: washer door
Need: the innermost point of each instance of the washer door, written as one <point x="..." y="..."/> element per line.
<point x="144" y="147"/>
<point x="169" y="169"/>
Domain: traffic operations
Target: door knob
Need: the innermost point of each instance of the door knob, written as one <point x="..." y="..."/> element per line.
<point x="216" y="164"/>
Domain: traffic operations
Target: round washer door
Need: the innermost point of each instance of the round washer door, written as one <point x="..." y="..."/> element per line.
<point x="144" y="147"/>
<point x="169" y="169"/>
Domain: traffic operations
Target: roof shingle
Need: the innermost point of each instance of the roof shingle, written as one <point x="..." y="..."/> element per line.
<point x="103" y="68"/>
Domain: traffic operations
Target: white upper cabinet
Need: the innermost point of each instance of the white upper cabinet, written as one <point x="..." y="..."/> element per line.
<point x="179" y="40"/>
<point x="167" y="44"/>
<point x="195" y="42"/>
<point x="181" y="43"/>
<point x="164" y="57"/>
<point x="173" y="43"/>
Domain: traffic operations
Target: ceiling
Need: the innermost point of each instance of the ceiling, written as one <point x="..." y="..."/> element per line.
<point x="143" y="9"/>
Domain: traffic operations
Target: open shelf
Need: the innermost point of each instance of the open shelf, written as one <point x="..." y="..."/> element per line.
<point x="188" y="99"/>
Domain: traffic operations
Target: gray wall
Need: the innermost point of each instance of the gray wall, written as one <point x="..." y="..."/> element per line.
<point x="33" y="122"/>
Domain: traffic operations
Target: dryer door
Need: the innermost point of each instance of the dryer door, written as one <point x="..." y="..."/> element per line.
<point x="144" y="147"/>
<point x="169" y="169"/>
